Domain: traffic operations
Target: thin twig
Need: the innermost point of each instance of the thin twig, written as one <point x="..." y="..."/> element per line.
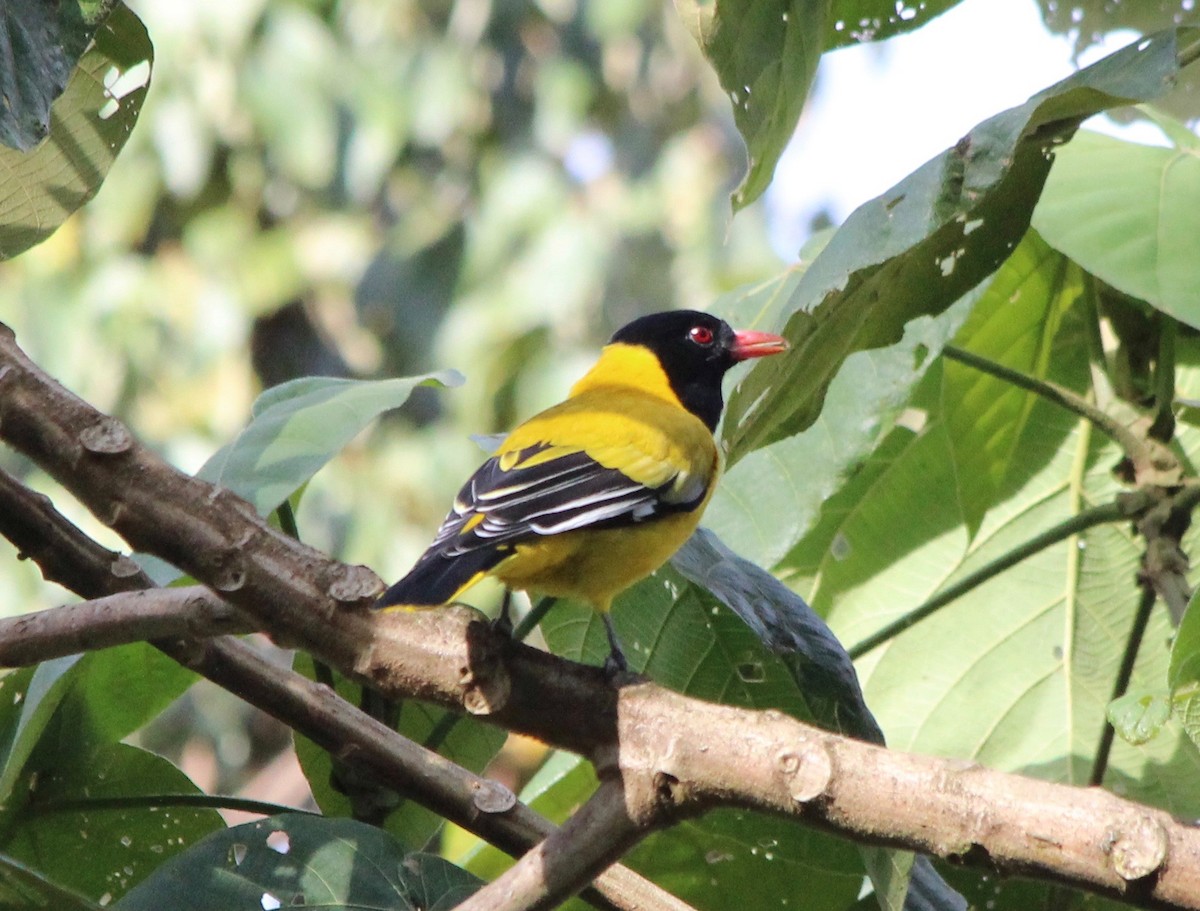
<point x="1099" y="515"/>
<point x="1133" y="446"/>
<point x="1121" y="683"/>
<point x="119" y="619"/>
<point x="136" y="801"/>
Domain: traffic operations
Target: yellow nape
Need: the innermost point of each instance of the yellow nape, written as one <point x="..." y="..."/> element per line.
<point x="628" y="365"/>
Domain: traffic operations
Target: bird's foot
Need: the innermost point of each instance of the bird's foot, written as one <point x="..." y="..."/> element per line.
<point x="503" y="622"/>
<point x="615" y="664"/>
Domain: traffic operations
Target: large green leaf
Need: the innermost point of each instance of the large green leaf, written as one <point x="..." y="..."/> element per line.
<point x="28" y="700"/>
<point x="117" y="690"/>
<point x="1183" y="672"/>
<point x="89" y="124"/>
<point x="298" y="426"/>
<point x="296" y="860"/>
<point x="86" y="824"/>
<point x="765" y="53"/>
<point x="59" y="725"/>
<point x="797" y="474"/>
<point x="1017" y="674"/>
<point x="1015" y="321"/>
<point x="43" y="42"/>
<point x="920" y="246"/>
<point x="1129" y="214"/>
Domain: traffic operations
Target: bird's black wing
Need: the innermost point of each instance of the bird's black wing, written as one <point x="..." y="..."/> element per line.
<point x="541" y="490"/>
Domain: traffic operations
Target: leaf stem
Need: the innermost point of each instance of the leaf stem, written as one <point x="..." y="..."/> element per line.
<point x="533" y="618"/>
<point x="1124" y="673"/>
<point x="1121" y="508"/>
<point x="1163" y="427"/>
<point x="287" y="519"/>
<point x="1133" y="447"/>
<point x="1188" y="54"/>
<point x="196" y="801"/>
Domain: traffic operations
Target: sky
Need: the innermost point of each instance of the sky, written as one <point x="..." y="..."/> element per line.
<point x="881" y="110"/>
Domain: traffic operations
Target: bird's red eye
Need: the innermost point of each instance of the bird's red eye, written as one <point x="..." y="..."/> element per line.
<point x="701" y="335"/>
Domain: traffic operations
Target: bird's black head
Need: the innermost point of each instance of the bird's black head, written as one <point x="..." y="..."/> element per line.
<point x="695" y="349"/>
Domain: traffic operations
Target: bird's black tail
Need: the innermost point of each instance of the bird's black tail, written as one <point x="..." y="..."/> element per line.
<point x="438" y="579"/>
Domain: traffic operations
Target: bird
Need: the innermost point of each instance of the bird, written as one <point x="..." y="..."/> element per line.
<point x="594" y="494"/>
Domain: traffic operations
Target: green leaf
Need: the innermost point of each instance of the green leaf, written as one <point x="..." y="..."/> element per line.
<point x="28" y="700"/>
<point x="89" y="125"/>
<point x="1139" y="717"/>
<point x="117" y="690"/>
<point x="22" y="887"/>
<point x="44" y="42"/>
<point x="765" y="53"/>
<point x="799" y="473"/>
<point x="1018" y="673"/>
<point x="920" y="246"/>
<point x="1184" y="668"/>
<point x="788" y="627"/>
<point x="84" y="825"/>
<point x="1014" y="323"/>
<point x="298" y="426"/>
<point x="858" y="21"/>
<point x="1130" y="215"/>
<point x="295" y="860"/>
<point x="1183" y="673"/>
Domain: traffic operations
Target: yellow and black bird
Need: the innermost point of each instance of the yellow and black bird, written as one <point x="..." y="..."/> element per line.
<point x="595" y="493"/>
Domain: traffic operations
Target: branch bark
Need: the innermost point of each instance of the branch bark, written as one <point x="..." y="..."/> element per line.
<point x="670" y="756"/>
<point x="67" y="555"/>
<point x="148" y="614"/>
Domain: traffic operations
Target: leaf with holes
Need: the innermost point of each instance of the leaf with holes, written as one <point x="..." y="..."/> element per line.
<point x="919" y="247"/>
<point x="294" y="860"/>
<point x="765" y="53"/>
<point x="44" y="42"/>
<point x="89" y="124"/>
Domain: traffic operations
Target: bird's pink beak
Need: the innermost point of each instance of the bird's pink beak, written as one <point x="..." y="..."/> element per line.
<point x="748" y="343"/>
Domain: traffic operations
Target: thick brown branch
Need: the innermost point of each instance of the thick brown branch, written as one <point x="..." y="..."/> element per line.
<point x="701" y="755"/>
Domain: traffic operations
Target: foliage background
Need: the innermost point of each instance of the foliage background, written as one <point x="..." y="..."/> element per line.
<point x="369" y="189"/>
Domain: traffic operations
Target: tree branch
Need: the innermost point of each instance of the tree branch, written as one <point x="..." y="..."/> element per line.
<point x="673" y="756"/>
<point x="476" y="804"/>
<point x="595" y="836"/>
<point x="119" y="619"/>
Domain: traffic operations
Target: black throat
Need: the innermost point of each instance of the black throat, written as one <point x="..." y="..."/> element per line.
<point x="698" y="390"/>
